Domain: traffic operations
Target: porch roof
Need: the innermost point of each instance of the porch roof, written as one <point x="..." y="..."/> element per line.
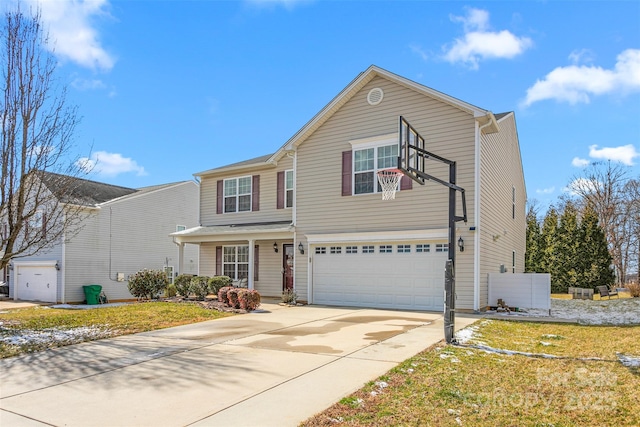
<point x="233" y="232"/>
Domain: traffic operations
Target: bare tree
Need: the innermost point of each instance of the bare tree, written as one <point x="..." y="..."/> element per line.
<point x="604" y="187"/>
<point x="37" y="173"/>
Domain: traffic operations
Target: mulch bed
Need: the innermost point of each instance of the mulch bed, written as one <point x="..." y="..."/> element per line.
<point x="210" y="303"/>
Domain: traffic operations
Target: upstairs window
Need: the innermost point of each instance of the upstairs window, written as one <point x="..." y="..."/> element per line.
<point x="367" y="162"/>
<point x="237" y="194"/>
<point x="288" y="188"/>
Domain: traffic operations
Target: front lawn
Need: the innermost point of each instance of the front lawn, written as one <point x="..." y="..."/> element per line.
<point x="39" y="328"/>
<point x="505" y="374"/>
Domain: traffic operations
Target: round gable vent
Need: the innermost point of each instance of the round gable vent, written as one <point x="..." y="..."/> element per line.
<point x="375" y="96"/>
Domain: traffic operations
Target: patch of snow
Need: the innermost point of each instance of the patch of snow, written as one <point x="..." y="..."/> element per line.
<point x="544" y="343"/>
<point x="623" y="311"/>
<point x="51" y="335"/>
<point x="381" y="384"/>
<point x="629" y="361"/>
<point x="453" y="412"/>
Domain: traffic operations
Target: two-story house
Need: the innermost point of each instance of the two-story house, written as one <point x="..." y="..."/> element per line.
<point x="121" y="231"/>
<point x="311" y="217"/>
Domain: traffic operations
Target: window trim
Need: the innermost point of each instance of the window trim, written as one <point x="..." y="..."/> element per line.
<point x="286" y="189"/>
<point x="374" y="143"/>
<point x="235" y="263"/>
<point x="237" y="194"/>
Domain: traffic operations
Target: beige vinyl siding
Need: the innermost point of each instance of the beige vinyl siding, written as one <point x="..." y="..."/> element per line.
<point x="448" y="131"/>
<point x="129" y="235"/>
<point x="268" y="196"/>
<point x="501" y="170"/>
<point x="270" y="264"/>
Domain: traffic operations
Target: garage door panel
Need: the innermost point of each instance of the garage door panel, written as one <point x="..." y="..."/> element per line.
<point x="36" y="283"/>
<point x="413" y="280"/>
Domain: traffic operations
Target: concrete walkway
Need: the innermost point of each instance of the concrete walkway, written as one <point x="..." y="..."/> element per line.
<point x="274" y="367"/>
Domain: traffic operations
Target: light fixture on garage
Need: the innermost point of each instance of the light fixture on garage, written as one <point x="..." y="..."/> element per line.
<point x="275" y="247"/>
<point x="57" y="266"/>
<point x="11" y="266"/>
<point x="461" y="244"/>
<point x="301" y="248"/>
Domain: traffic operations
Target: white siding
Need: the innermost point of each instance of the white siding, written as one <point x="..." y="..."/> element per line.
<point x="129" y="235"/>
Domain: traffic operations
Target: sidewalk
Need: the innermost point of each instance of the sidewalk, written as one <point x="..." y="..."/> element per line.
<point x="274" y="367"/>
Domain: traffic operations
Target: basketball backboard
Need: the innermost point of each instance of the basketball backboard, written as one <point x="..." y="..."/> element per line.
<point x="411" y="159"/>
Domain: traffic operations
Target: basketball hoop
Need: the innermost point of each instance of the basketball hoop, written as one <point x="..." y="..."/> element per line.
<point x="389" y="179"/>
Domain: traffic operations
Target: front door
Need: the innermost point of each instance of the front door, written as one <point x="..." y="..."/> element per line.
<point x="287" y="267"/>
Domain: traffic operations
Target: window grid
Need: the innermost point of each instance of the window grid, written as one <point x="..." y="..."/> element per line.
<point x="367" y="162"/>
<point x="288" y="188"/>
<point x="386" y="249"/>
<point x="335" y="249"/>
<point x="404" y="249"/>
<point x="422" y="247"/>
<point x="235" y="261"/>
<point x="237" y="194"/>
<point x="351" y="249"/>
<point x="442" y="247"/>
<point x="321" y="250"/>
<point x="368" y="249"/>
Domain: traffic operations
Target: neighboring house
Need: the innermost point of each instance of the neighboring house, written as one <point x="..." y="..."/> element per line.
<point x="310" y="216"/>
<point x="123" y="230"/>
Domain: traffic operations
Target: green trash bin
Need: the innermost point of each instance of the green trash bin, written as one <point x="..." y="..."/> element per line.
<point x="92" y="294"/>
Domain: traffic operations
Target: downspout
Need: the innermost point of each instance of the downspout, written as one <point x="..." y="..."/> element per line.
<point x="476" y="240"/>
<point x="63" y="262"/>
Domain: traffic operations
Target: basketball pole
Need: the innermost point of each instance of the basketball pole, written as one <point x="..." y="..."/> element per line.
<point x="450" y="280"/>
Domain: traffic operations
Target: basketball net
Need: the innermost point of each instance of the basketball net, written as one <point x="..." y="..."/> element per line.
<point x="389" y="179"/>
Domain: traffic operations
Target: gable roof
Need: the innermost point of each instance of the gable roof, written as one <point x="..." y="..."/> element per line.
<point x="256" y="161"/>
<point x="83" y="192"/>
<point x="484" y="116"/>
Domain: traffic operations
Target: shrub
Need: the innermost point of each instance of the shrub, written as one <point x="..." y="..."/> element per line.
<point x="248" y="299"/>
<point x="223" y="294"/>
<point x="218" y="282"/>
<point x="634" y="289"/>
<point x="171" y="291"/>
<point x="147" y="283"/>
<point x="200" y="286"/>
<point x="183" y="285"/>
<point x="232" y="296"/>
<point x="289" y="296"/>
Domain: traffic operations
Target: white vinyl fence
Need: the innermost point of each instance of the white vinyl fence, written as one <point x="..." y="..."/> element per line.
<point x="524" y="290"/>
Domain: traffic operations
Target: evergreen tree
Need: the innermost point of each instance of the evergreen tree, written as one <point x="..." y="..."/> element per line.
<point x="567" y="249"/>
<point x="595" y="258"/>
<point x="533" y="254"/>
<point x="548" y="246"/>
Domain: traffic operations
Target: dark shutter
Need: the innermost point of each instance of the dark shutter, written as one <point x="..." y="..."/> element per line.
<point x="280" y="191"/>
<point x="255" y="193"/>
<point x="406" y="183"/>
<point x="218" y="260"/>
<point x="347" y="167"/>
<point x="256" y="263"/>
<point x="219" y="197"/>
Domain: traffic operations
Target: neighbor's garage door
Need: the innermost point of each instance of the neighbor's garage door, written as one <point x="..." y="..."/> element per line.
<point x="36" y="282"/>
<point x="385" y="275"/>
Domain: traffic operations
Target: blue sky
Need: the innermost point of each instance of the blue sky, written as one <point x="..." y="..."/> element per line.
<point x="170" y="88"/>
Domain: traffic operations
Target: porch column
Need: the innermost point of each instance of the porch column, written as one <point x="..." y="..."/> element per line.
<point x="180" y="258"/>
<point x="252" y="252"/>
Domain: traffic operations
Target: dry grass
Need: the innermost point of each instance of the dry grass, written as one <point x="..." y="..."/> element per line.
<point x="458" y="385"/>
<point x="103" y="322"/>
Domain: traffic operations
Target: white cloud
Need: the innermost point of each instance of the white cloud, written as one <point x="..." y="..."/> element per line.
<point x="546" y="190"/>
<point x="623" y="154"/>
<point x="480" y="43"/>
<point x="582" y="56"/>
<point x="419" y="51"/>
<point x="110" y="164"/>
<point x="581" y="186"/>
<point x="87" y="84"/>
<point x="71" y="27"/>
<point x="574" y="83"/>
<point x="580" y="163"/>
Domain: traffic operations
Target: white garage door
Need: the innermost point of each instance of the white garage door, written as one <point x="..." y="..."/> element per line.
<point x="402" y="275"/>
<point x="36" y="282"/>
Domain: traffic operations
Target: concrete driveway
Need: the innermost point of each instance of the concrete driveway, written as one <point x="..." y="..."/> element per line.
<point x="274" y="367"/>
